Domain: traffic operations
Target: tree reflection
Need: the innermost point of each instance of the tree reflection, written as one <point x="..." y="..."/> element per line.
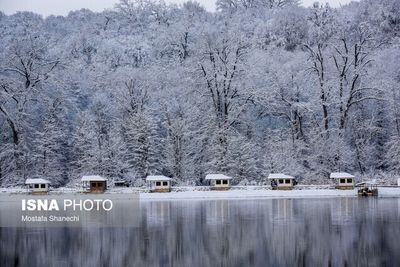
<point x="278" y="232"/>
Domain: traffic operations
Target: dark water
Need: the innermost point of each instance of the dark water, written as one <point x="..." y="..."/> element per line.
<point x="280" y="232"/>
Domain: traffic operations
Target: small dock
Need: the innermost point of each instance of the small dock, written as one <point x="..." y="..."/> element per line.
<point x="367" y="189"/>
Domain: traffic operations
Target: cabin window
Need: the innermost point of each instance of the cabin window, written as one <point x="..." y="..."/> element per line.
<point x="99" y="184"/>
<point x="281" y="181"/>
<point x="36" y="186"/>
<point x="224" y="181"/>
<point x="165" y="183"/>
<point x="158" y="183"/>
<point x="42" y="186"/>
<point x="342" y="181"/>
<point x="287" y="181"/>
<point x="349" y="180"/>
<point x="217" y="181"/>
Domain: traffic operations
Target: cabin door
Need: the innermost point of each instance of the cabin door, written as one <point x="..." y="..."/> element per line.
<point x="96" y="187"/>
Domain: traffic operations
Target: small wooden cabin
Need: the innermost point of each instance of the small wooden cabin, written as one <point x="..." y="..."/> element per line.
<point x="344" y="180"/>
<point x="158" y="183"/>
<point x="38" y="186"/>
<point x="94" y="184"/>
<point x="219" y="181"/>
<point x="281" y="181"/>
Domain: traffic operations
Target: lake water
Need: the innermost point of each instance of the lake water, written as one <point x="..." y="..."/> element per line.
<point x="275" y="232"/>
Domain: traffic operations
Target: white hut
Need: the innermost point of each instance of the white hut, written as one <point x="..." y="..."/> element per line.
<point x="344" y="180"/>
<point x="281" y="181"/>
<point x="38" y="185"/>
<point x="94" y="184"/>
<point x="158" y="183"/>
<point x="219" y="181"/>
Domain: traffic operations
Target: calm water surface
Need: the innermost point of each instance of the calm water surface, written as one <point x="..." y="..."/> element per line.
<point x="278" y="232"/>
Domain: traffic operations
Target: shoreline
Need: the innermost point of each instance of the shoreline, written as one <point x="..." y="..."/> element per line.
<point x="233" y="194"/>
<point x="248" y="194"/>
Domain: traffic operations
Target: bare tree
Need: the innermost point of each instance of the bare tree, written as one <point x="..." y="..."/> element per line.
<point x="221" y="66"/>
<point x="351" y="59"/>
<point x="26" y="67"/>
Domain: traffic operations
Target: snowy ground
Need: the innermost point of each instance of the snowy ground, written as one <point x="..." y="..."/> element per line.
<point x="249" y="194"/>
<point x="389" y="191"/>
<point x="257" y="193"/>
<point x="239" y="192"/>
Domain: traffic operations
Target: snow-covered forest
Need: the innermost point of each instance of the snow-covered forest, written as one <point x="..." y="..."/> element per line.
<point x="259" y="86"/>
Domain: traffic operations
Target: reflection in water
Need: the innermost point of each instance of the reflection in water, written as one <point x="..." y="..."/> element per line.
<point x="280" y="232"/>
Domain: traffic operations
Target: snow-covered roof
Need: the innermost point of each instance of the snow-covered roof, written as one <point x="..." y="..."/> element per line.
<point x="335" y="175"/>
<point x="217" y="177"/>
<point x="157" y="178"/>
<point x="279" y="176"/>
<point x="89" y="178"/>
<point x="37" y="181"/>
<point x="372" y="182"/>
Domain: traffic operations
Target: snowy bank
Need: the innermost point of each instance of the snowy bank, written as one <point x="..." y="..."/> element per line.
<point x="388" y="192"/>
<point x="260" y="193"/>
<point x="249" y="194"/>
<point x="237" y="192"/>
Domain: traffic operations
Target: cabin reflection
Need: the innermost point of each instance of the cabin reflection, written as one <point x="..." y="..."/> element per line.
<point x="398" y="206"/>
<point x="282" y="209"/>
<point x="217" y="212"/>
<point x="343" y="210"/>
<point x="158" y="212"/>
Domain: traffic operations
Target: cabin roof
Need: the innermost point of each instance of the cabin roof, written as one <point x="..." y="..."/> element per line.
<point x="37" y="181"/>
<point x="217" y="177"/>
<point x="279" y="176"/>
<point x="371" y="182"/>
<point x="89" y="178"/>
<point x="335" y="175"/>
<point x="157" y="178"/>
